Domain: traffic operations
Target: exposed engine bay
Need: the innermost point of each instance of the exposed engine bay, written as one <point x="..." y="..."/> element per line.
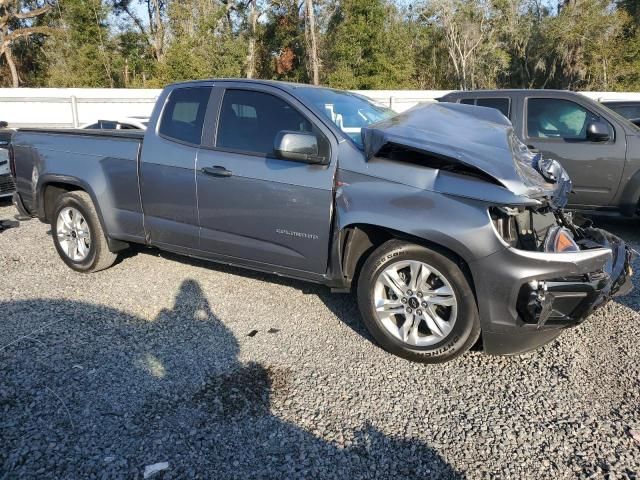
<point x="569" y="300"/>
<point x="545" y="229"/>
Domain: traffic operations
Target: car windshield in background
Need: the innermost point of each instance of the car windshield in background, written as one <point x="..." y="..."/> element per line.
<point x="350" y="112"/>
<point x="621" y="115"/>
<point x="627" y="110"/>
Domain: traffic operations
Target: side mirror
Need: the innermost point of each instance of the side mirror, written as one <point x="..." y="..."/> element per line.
<point x="297" y="146"/>
<point x="598" y="131"/>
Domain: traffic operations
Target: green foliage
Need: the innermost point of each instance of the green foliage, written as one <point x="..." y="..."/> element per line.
<point x="362" y="44"/>
<point x="134" y="61"/>
<point x="632" y="7"/>
<point x="81" y="52"/>
<point x="369" y="46"/>
<point x="204" y="44"/>
<point x="23" y="29"/>
<point x="281" y="38"/>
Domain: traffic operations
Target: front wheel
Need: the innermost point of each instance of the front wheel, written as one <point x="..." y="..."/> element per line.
<point x="78" y="235"/>
<point x="417" y="303"/>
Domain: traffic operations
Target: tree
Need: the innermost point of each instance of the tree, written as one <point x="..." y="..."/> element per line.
<point x="585" y="38"/>
<point x="153" y="29"/>
<point x="133" y="58"/>
<point x="82" y="53"/>
<point x="283" y="44"/>
<point x="253" y="23"/>
<point x="16" y="23"/>
<point x="469" y="40"/>
<point x="312" y="42"/>
<point x="368" y="47"/>
<point x="204" y="42"/>
<point x="632" y="7"/>
<point x="520" y="29"/>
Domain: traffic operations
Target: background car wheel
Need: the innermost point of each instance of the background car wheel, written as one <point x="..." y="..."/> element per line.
<point x="417" y="303"/>
<point x="78" y="235"/>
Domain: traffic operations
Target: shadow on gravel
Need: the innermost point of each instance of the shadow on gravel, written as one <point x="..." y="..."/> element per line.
<point x="342" y="305"/>
<point x="7" y="223"/>
<point x="88" y="391"/>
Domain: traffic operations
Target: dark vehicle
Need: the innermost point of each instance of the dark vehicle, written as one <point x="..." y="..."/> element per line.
<point x="125" y="123"/>
<point x="599" y="149"/>
<point x="440" y="219"/>
<point x="626" y="108"/>
<point x="7" y="187"/>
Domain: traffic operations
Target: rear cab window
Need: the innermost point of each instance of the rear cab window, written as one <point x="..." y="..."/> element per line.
<point x="502" y="104"/>
<point x="183" y="115"/>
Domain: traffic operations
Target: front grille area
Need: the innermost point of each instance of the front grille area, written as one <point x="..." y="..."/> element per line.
<point x="6" y="184"/>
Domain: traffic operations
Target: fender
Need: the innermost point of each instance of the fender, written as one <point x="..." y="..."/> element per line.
<point x="40" y="208"/>
<point x="629" y="200"/>
<point x="419" y="214"/>
<point x="370" y="211"/>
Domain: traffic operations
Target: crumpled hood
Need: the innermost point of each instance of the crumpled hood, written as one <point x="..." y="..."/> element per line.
<point x="476" y="137"/>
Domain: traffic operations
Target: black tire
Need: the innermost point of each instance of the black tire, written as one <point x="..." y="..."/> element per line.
<point x="466" y="329"/>
<point x="99" y="256"/>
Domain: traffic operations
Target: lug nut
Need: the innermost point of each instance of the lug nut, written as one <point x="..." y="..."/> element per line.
<point x="409" y="310"/>
<point x="419" y="312"/>
<point x="424" y="304"/>
<point x="419" y="294"/>
<point x="404" y="300"/>
<point x="409" y="293"/>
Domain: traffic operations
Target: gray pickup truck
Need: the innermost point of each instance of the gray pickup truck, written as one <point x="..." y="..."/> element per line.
<point x="445" y="224"/>
<point x="599" y="149"/>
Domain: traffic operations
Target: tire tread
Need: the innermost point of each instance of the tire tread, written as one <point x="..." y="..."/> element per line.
<point x="103" y="257"/>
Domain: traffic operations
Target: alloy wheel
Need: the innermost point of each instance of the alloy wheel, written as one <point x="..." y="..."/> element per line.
<point x="415" y="303"/>
<point x="73" y="234"/>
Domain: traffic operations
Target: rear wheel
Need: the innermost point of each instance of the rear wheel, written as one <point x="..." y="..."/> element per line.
<point x="417" y="303"/>
<point x="78" y="235"/>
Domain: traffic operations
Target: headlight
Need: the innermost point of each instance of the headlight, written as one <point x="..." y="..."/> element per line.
<point x="560" y="240"/>
<point x="505" y="224"/>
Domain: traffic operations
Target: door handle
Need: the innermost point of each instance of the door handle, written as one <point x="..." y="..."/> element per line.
<point x="217" y="171"/>
<point x="532" y="148"/>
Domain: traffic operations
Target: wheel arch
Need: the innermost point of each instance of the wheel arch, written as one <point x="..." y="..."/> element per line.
<point x="359" y="240"/>
<point x="630" y="199"/>
<point x="50" y="188"/>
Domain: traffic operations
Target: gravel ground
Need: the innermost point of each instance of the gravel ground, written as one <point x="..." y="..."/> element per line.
<point x="224" y="373"/>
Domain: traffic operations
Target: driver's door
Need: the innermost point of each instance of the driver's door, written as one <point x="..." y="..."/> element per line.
<point x="253" y="206"/>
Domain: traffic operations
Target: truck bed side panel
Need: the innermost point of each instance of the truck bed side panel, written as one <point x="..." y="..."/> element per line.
<point x="110" y="177"/>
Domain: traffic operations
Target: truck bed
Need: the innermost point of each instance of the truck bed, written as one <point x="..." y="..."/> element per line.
<point x="105" y="160"/>
<point x="133" y="134"/>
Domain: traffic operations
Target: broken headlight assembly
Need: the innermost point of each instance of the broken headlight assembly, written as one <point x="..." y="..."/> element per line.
<point x="542" y="230"/>
<point x="560" y="240"/>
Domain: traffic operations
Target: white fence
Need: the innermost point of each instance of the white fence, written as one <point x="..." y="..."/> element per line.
<point x="72" y="107"/>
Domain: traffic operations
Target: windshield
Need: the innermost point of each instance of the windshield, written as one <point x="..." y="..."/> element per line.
<point x="621" y="118"/>
<point x="348" y="111"/>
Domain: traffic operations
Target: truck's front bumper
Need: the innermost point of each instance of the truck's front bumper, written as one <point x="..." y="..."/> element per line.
<point x="527" y="298"/>
<point x="7" y="186"/>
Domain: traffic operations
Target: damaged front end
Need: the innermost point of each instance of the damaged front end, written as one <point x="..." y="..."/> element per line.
<point x="551" y="269"/>
<point x="564" y="300"/>
<point x="569" y="299"/>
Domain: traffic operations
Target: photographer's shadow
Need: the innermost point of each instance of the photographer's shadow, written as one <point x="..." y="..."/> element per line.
<point x="113" y="392"/>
